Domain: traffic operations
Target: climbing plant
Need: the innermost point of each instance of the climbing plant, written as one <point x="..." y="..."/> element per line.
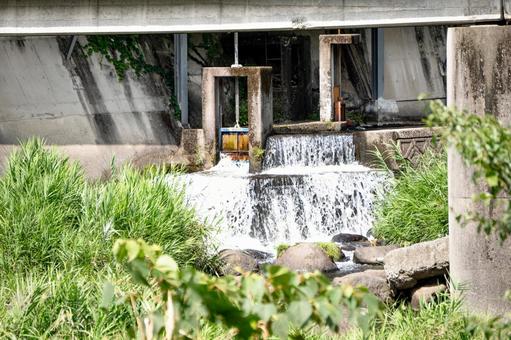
<point x="125" y="54"/>
<point x="484" y="143"/>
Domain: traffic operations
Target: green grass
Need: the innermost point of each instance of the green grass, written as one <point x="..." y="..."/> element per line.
<point x="416" y="209"/>
<point x="56" y="236"/>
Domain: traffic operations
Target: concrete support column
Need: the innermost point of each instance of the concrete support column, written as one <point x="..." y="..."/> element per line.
<point x="181" y="74"/>
<point x="478" y="81"/>
<point x="377" y="61"/>
<point x="325" y="70"/>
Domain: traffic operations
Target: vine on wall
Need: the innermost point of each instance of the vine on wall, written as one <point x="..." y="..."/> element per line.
<point x="125" y="54"/>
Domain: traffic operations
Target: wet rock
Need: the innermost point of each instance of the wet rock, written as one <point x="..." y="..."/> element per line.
<point x="405" y="266"/>
<point x="350" y="242"/>
<point x="372" y="255"/>
<point x="346" y="238"/>
<point x="233" y="259"/>
<point x="306" y="257"/>
<point x="374" y="280"/>
<point x="426" y="294"/>
<point x="258" y="255"/>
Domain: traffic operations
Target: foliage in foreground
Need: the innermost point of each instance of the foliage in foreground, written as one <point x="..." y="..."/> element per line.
<point x="250" y="306"/>
<point x="484" y="143"/>
<point x="416" y="209"/>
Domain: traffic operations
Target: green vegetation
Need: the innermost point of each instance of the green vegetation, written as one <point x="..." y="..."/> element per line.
<point x="331" y="249"/>
<point x="56" y="232"/>
<point x="282" y="248"/>
<point x="258" y="153"/>
<point x="483" y="142"/>
<point x="253" y="306"/>
<point x="416" y="209"/>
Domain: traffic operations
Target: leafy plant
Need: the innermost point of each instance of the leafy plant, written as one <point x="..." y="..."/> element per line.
<point x="281" y="248"/>
<point x="258" y="153"/>
<point x="416" y="208"/>
<point x="486" y="145"/>
<point x="252" y="306"/>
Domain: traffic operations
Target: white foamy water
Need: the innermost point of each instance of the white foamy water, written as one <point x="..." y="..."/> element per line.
<point x="288" y="203"/>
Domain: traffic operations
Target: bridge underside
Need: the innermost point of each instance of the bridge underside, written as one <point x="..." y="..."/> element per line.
<point x="54" y="17"/>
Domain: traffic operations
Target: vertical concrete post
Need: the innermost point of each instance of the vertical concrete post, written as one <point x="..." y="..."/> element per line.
<point x="377" y="61"/>
<point x="325" y="70"/>
<point x="210" y="123"/>
<point x="181" y="74"/>
<point x="478" y="81"/>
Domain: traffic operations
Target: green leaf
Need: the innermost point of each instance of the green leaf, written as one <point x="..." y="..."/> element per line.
<point x="132" y="249"/>
<point x="299" y="312"/>
<point x="264" y="311"/>
<point x="165" y="264"/>
<point x="280" y="326"/>
<point x="107" y="296"/>
<point x="493" y="181"/>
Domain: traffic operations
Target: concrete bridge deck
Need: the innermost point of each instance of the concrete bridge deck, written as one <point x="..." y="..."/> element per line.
<point x="54" y="17"/>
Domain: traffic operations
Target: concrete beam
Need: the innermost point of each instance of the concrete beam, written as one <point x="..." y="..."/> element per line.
<point x="181" y="75"/>
<point x="56" y="17"/>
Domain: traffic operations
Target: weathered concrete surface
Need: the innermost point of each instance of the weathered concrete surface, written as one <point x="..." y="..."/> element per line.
<point x="260" y="109"/>
<point x="307" y="128"/>
<point x="413" y="142"/>
<point x="79" y="100"/>
<point x="406" y="266"/>
<point x="479" y="81"/>
<point x="97" y="159"/>
<point x="326" y="106"/>
<point x="27" y="17"/>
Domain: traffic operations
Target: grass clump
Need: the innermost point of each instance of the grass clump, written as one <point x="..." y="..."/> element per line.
<point x="416" y="209"/>
<point x="331" y="249"/>
<point x="281" y="248"/>
<point x="56" y="235"/>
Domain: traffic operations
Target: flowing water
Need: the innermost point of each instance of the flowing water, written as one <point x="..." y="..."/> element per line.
<point x="311" y="189"/>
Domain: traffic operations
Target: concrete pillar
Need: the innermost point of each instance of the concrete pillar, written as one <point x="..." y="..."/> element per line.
<point x="478" y="81"/>
<point x="325" y="70"/>
<point x="181" y="74"/>
<point x="260" y="109"/>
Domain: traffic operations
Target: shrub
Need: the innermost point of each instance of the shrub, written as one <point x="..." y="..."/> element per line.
<point x="416" y="208"/>
<point x="50" y="215"/>
<point x="331" y="249"/>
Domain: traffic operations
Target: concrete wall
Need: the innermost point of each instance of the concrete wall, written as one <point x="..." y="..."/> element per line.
<point x="479" y="81"/>
<point x="77" y="101"/>
<point x="26" y="17"/>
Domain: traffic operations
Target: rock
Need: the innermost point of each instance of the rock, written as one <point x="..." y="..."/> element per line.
<point x="405" y="266"/>
<point x="234" y="258"/>
<point x="372" y="255"/>
<point x="374" y="280"/>
<point x="426" y="294"/>
<point x="346" y="238"/>
<point x="258" y="255"/>
<point x="306" y="257"/>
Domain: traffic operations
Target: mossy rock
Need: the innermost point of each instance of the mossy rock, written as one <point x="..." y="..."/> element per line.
<point x="331" y="250"/>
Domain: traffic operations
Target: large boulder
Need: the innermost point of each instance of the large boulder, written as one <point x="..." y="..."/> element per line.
<point x="374" y="280"/>
<point x="426" y="294"/>
<point x="306" y="257"/>
<point x="234" y="259"/>
<point x="405" y="266"/>
<point x="372" y="255"/>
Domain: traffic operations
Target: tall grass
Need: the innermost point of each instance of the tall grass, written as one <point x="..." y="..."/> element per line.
<point x="56" y="236"/>
<point x="416" y="209"/>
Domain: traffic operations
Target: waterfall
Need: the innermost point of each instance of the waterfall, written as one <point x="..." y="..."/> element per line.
<point x="308" y="150"/>
<point x="311" y="189"/>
